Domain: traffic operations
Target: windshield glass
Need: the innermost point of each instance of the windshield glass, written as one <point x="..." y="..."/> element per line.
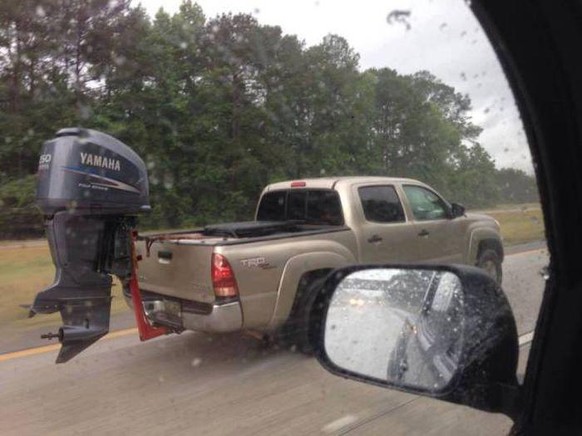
<point x="220" y="99"/>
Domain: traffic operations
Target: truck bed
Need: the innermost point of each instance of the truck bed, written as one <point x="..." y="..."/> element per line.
<point x="238" y="233"/>
<point x="178" y="264"/>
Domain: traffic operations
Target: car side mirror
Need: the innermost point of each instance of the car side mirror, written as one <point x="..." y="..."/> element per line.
<point x="457" y="210"/>
<point x="446" y="332"/>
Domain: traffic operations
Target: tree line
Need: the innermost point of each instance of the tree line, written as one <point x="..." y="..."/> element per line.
<point x="219" y="107"/>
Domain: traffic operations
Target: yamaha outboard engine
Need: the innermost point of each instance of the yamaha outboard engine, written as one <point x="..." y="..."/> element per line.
<point x="91" y="187"/>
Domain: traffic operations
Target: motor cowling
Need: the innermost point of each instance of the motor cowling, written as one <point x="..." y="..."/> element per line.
<point x="91" y="188"/>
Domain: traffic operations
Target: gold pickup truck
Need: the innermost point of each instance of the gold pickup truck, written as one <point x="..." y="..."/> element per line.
<point x="262" y="275"/>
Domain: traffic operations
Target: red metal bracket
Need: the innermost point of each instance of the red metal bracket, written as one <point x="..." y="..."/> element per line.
<point x="145" y="329"/>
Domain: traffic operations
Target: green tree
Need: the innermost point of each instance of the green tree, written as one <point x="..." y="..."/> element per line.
<point x="220" y="107"/>
<point x="474" y="182"/>
<point x="516" y="186"/>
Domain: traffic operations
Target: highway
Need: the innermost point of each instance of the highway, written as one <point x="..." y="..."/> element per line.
<point x="231" y="385"/>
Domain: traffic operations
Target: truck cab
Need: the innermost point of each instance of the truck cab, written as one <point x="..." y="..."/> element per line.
<point x="394" y="219"/>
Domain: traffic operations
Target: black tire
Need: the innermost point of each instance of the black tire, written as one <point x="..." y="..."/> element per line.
<point x="490" y="261"/>
<point x="295" y="331"/>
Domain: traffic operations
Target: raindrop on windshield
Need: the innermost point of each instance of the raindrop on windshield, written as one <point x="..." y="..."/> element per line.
<point x="399" y="16"/>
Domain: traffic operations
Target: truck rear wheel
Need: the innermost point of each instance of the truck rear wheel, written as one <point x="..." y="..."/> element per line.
<point x="490" y="261"/>
<point x="295" y="331"/>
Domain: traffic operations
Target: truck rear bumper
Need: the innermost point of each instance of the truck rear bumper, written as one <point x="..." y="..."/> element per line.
<point x="222" y="318"/>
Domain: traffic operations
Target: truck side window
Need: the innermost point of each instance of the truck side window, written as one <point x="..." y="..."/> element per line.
<point x="381" y="204"/>
<point x="425" y="204"/>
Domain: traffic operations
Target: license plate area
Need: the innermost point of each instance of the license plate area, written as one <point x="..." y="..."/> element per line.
<point x="169" y="314"/>
<point x="173" y="308"/>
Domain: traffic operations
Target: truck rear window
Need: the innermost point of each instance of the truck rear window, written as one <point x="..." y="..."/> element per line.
<point x="311" y="206"/>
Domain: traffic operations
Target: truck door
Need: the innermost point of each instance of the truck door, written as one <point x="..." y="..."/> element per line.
<point x="385" y="234"/>
<point x="438" y="237"/>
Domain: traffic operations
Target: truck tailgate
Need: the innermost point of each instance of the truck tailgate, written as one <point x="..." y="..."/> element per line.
<point x="176" y="270"/>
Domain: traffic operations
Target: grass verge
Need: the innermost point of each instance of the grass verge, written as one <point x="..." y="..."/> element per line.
<point x="520" y="223"/>
<point x="24" y="271"/>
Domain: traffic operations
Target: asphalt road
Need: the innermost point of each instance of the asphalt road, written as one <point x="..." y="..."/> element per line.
<point x="198" y="384"/>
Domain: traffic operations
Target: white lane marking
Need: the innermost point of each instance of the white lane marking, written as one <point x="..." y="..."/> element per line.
<point x="526" y="338"/>
<point x="55" y="347"/>
<point x="338" y="424"/>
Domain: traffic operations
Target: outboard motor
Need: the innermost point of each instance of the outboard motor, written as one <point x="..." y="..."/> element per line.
<point x="91" y="187"/>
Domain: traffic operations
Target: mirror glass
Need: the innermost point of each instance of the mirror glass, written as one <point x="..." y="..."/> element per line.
<point x="401" y="326"/>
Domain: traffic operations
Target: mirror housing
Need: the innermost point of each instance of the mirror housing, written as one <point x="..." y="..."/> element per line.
<point x="457" y="210"/>
<point x="484" y="375"/>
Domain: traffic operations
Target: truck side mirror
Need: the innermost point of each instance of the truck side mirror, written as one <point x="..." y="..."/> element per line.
<point x="441" y="331"/>
<point x="457" y="210"/>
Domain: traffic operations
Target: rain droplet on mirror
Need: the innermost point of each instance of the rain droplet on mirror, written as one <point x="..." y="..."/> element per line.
<point x="545" y="272"/>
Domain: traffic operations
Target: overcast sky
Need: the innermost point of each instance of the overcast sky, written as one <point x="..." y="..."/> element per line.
<point x="442" y="36"/>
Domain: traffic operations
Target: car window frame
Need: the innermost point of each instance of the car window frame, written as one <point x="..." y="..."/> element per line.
<point x="549" y="399"/>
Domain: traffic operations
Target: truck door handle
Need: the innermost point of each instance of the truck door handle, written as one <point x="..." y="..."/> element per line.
<point x="424" y="232"/>
<point x="374" y="238"/>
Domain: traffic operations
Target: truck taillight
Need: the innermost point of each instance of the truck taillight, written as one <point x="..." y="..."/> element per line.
<point x="223" y="278"/>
